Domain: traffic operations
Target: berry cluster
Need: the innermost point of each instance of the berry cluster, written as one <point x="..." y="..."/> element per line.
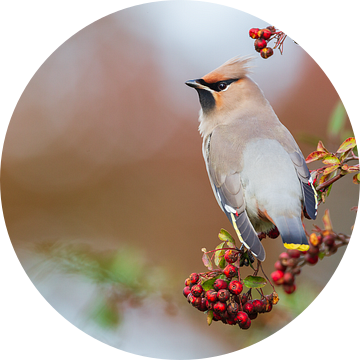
<point x="262" y="37"/>
<point x="290" y="262"/>
<point x="219" y="292"/>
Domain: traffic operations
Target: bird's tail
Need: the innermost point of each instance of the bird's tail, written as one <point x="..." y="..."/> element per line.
<point x="292" y="232"/>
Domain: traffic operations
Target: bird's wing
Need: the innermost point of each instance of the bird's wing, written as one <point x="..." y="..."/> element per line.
<point x="309" y="192"/>
<point x="226" y="183"/>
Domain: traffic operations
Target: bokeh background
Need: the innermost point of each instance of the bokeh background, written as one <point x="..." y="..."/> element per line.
<point x="102" y="175"/>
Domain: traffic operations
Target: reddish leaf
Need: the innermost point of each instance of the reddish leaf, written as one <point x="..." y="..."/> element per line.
<point x="356" y="179"/>
<point x="321" y="147"/>
<point x="354" y="168"/>
<point x="348" y="144"/>
<point x="206" y="260"/>
<point x="315" y="155"/>
<point x="327" y="221"/>
<point x="323" y="179"/>
<point x="331" y="160"/>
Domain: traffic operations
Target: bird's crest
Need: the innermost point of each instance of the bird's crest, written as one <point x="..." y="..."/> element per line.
<point x="235" y="68"/>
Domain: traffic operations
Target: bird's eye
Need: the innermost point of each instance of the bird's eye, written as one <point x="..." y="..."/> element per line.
<point x="222" y="86"/>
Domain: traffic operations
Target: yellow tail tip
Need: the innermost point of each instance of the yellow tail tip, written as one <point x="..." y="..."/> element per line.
<point x="301" y="247"/>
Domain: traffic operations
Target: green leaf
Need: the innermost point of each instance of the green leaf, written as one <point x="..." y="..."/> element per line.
<point x="219" y="255"/>
<point x="321" y="255"/>
<point x="208" y="284"/>
<point x="210" y="316"/>
<point x="330" y="169"/>
<point x="225" y="236"/>
<point x="337" y="120"/>
<point x="254" y="281"/>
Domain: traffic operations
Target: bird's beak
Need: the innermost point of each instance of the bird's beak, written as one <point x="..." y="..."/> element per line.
<point x="193" y="84"/>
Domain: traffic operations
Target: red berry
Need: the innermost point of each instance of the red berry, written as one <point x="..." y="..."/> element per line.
<point x="265" y="34"/>
<point x="241" y="318"/>
<point x="248" y="307"/>
<point x="278" y="277"/>
<point x="271" y="28"/>
<point x="231" y="256"/>
<point x="186" y="291"/>
<point x="311" y="259"/>
<point x="260" y="44"/>
<point x="293" y="253"/>
<point x="231" y="321"/>
<point x="209" y="304"/>
<point x="288" y="278"/>
<point x="220" y="284"/>
<point x="266" y="52"/>
<point x="220" y="307"/>
<point x="216" y="316"/>
<point x="190" y="298"/>
<point x="253" y="33"/>
<point x="211" y="295"/>
<point x="202" y="306"/>
<point x="233" y="308"/>
<point x="244" y="298"/>
<point x="187" y="282"/>
<point x="273" y="233"/>
<point x="197" y="290"/>
<point x="194" y="278"/>
<point x="253" y="315"/>
<point x="313" y="250"/>
<point x="268" y="306"/>
<point x="284" y="257"/>
<point x="258" y="305"/>
<point x="235" y="287"/>
<point x="289" y="289"/>
<point x="246" y="325"/>
<point x="230" y="271"/>
<point x="279" y="266"/>
<point x="223" y="295"/>
<point x="329" y="240"/>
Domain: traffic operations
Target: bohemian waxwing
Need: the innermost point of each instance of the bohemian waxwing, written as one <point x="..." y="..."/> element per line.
<point x="256" y="169"/>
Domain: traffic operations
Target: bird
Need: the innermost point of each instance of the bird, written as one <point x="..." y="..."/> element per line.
<point x="256" y="169"/>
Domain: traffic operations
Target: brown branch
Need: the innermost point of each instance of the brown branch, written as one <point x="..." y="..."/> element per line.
<point x="329" y="182"/>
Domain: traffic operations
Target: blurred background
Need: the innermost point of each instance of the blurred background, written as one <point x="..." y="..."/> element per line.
<point x="104" y="189"/>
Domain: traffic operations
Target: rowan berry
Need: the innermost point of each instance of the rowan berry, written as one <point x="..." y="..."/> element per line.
<point x="211" y="295"/>
<point x="264" y="33"/>
<point x="241" y="318"/>
<point x="278" y="277"/>
<point x="231" y="256"/>
<point x="197" y="290"/>
<point x="186" y="291"/>
<point x="202" y="306"/>
<point x="311" y="259"/>
<point x="253" y="33"/>
<point x="273" y="233"/>
<point x="246" y="325"/>
<point x="230" y="271"/>
<point x="233" y="308"/>
<point x="220" y="284"/>
<point x="289" y="289"/>
<point x="293" y="253"/>
<point x="235" y="287"/>
<point x="219" y="307"/>
<point x="194" y="278"/>
<point x="279" y="266"/>
<point x="258" y="305"/>
<point x="260" y="44"/>
<point x="266" y="52"/>
<point x="223" y="295"/>
<point x="248" y="307"/>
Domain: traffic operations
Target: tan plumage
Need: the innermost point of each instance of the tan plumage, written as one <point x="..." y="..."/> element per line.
<point x="256" y="169"/>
